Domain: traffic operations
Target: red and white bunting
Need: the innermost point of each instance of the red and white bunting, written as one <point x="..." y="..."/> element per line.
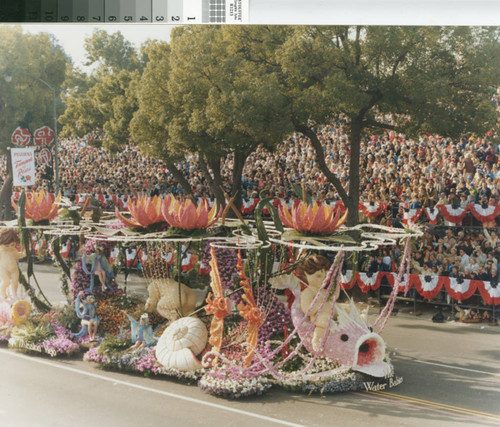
<point x="460" y="289"/>
<point x="130" y="257"/>
<point x="487" y="214"/>
<point x="188" y="262"/>
<point x="490" y="294"/>
<point x="432" y="214"/>
<point x="249" y="205"/>
<point x="367" y="282"/>
<point x="372" y="210"/>
<point x="346" y="280"/>
<point x="428" y="286"/>
<point x="204" y="269"/>
<point x="143" y="256"/>
<point x="169" y="257"/>
<point x="414" y="215"/>
<point x="65" y="249"/>
<point x="114" y="254"/>
<point x="81" y="198"/>
<point x="450" y="214"/>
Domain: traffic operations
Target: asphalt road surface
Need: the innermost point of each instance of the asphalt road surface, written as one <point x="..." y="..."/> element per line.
<point x="450" y="373"/>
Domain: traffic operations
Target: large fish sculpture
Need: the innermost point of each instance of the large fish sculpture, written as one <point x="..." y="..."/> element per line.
<point x="350" y="341"/>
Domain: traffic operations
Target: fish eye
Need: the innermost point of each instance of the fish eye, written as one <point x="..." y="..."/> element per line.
<point x="344" y="337"/>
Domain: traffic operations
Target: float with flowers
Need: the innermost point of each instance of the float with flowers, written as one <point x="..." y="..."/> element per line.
<point x="234" y="306"/>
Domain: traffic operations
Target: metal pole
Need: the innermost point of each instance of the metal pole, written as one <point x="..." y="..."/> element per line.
<point x="56" y="148"/>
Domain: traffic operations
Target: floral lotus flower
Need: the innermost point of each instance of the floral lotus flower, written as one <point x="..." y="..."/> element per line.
<point x="317" y="218"/>
<point x="41" y="206"/>
<point x="185" y="215"/>
<point x="145" y="211"/>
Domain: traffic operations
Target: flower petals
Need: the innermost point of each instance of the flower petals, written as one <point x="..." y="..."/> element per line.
<point x="317" y="218"/>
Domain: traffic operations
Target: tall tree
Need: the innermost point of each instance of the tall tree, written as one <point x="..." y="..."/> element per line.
<point x="150" y="124"/>
<point x="433" y="79"/>
<point x="213" y="103"/>
<point x="105" y="99"/>
<point x="24" y="99"/>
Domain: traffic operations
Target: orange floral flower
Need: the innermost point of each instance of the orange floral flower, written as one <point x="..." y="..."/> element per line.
<point x="145" y="211"/>
<point x="250" y="312"/>
<point x="217" y="305"/>
<point x="40" y="206"/>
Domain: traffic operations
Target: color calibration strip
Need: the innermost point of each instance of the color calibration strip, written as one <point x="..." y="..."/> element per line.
<point x="152" y="11"/>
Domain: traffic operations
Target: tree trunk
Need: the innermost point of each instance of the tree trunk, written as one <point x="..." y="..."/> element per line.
<point x="351" y="199"/>
<point x="355" y="137"/>
<point x="6" y="193"/>
<point x="181" y="179"/>
<point x="215" y="182"/>
<point x="320" y="159"/>
<point x="238" y="165"/>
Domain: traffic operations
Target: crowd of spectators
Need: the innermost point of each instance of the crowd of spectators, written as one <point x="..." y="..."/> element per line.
<point x="450" y="252"/>
<point x="394" y="169"/>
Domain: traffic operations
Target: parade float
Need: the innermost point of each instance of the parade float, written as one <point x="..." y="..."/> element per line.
<point x="234" y="306"/>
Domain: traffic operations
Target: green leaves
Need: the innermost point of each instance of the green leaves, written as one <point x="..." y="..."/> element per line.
<point x="24" y="59"/>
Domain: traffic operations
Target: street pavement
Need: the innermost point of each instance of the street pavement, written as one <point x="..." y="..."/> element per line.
<point x="450" y="373"/>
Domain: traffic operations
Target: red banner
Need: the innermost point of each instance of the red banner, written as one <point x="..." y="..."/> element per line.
<point x="43" y="136"/>
<point x="21" y="137"/>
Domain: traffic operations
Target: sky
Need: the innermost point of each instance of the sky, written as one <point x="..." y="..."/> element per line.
<point x="72" y="37"/>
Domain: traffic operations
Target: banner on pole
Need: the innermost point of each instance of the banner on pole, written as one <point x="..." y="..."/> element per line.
<point x="23" y="166"/>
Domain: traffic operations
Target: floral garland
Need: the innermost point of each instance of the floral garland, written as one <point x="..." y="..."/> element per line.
<point x="325" y="376"/>
<point x="223" y="383"/>
<point x="139" y="361"/>
<point x="59" y="343"/>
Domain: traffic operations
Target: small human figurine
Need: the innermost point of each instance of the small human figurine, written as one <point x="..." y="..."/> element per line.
<point x="88" y="314"/>
<point x="100" y="267"/>
<point x="141" y="332"/>
<point x="315" y="269"/>
<point x="9" y="255"/>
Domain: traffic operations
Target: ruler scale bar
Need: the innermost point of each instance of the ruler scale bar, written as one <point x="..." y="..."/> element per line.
<point x="32" y="10"/>
<point x="49" y="11"/>
<point x="175" y="11"/>
<point x="143" y="9"/>
<point x="80" y="11"/>
<point x="96" y="11"/>
<point x="111" y="10"/>
<point x="64" y="11"/>
<point x="126" y="11"/>
<point x="160" y="11"/>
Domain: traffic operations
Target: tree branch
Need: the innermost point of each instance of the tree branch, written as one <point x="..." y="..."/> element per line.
<point x="320" y="158"/>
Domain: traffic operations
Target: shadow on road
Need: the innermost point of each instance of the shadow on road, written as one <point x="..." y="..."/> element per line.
<point x="449" y="396"/>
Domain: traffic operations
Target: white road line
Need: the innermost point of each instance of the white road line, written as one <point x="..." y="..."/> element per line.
<point x="152" y="390"/>
<point x="456" y="367"/>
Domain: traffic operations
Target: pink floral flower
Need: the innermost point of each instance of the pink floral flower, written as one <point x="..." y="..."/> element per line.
<point x="317" y="218"/>
<point x="186" y="215"/>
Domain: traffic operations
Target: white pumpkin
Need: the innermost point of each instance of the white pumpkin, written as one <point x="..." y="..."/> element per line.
<point x="180" y="343"/>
